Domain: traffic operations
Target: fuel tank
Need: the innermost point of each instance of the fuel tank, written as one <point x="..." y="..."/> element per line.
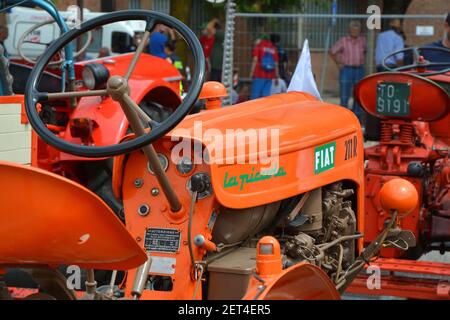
<point x="276" y="147"/>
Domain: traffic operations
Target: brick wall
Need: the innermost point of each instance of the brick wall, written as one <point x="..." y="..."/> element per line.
<point x="425" y="7"/>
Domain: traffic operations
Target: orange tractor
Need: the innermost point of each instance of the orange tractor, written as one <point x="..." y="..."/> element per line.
<point x="207" y="213"/>
<point x="414" y="112"/>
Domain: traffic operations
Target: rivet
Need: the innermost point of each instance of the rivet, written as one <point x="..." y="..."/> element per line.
<point x="155" y="192"/>
<point x="138" y="183"/>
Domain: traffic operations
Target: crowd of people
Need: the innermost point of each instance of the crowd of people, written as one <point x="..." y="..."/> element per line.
<point x="269" y="63"/>
<point x="349" y="54"/>
<point x="269" y="72"/>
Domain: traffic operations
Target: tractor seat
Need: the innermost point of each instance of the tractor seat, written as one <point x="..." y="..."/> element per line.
<point x="20" y="72"/>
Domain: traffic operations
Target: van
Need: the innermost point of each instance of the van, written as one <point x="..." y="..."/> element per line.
<point x="118" y="37"/>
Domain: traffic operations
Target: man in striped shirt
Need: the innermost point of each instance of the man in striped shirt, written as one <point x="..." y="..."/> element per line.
<point x="349" y="53"/>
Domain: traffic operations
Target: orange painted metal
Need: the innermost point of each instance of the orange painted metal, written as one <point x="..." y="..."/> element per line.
<point x="412" y="266"/>
<point x="111" y="122"/>
<point x="212" y="92"/>
<point x="302" y="281"/>
<point x="399" y="194"/>
<point x="268" y="257"/>
<point x="21" y="293"/>
<point x="410" y="147"/>
<point x="161" y="217"/>
<point x="293" y="115"/>
<point x="209" y="246"/>
<point x="411" y="283"/>
<point x="50" y="220"/>
<point x="424" y="92"/>
<point x="410" y="288"/>
<point x="16" y="99"/>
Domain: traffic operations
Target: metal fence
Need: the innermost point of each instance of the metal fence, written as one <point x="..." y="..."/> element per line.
<point x="322" y="31"/>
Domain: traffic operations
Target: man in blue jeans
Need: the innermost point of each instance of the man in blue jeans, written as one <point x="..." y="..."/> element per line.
<point x="264" y="68"/>
<point x="349" y="54"/>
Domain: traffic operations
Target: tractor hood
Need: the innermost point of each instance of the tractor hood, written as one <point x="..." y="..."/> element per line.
<point x="275" y="147"/>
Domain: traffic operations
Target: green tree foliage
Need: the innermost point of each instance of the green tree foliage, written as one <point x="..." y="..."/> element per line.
<point x="268" y="6"/>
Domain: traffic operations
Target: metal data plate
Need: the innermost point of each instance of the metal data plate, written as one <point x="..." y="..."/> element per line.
<point x="163" y="265"/>
<point x="162" y="240"/>
<point x="393" y="99"/>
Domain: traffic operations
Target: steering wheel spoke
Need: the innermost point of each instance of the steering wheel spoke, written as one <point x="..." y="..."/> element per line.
<point x="150" y="25"/>
<point x="44" y="96"/>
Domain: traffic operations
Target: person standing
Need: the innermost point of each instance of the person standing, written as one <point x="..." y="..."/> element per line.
<point x="6" y="80"/>
<point x="137" y="39"/>
<point x="389" y="42"/>
<point x="217" y="50"/>
<point x="207" y="41"/>
<point x="158" y="40"/>
<point x="264" y="68"/>
<point x="176" y="61"/>
<point x="283" y="64"/>
<point x="349" y="53"/>
<point x="104" y="52"/>
<point x="4" y="33"/>
<point x="439" y="56"/>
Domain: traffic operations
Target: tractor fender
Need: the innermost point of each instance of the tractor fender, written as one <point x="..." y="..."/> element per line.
<point x="110" y="122"/>
<point x="50" y="220"/>
<point x="302" y="281"/>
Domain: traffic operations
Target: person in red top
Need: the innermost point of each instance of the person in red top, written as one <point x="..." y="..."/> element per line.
<point x="264" y="68"/>
<point x="207" y="41"/>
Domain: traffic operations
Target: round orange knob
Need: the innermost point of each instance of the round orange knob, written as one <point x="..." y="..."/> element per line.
<point x="399" y="194"/>
<point x="212" y="92"/>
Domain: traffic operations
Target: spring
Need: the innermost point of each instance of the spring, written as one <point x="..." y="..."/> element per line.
<point x="386" y="132"/>
<point x="406" y="133"/>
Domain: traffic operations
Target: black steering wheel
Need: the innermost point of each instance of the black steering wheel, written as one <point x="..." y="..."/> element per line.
<point x="418" y="63"/>
<point x="117" y="86"/>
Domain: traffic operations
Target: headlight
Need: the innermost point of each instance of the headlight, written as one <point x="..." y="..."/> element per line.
<point x="164" y="163"/>
<point x="95" y="76"/>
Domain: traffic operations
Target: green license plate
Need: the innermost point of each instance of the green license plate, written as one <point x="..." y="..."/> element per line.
<point x="393" y="99"/>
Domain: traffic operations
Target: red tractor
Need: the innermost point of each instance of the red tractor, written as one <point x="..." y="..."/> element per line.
<point x="414" y="112"/>
<point x="88" y="120"/>
<point x="202" y="220"/>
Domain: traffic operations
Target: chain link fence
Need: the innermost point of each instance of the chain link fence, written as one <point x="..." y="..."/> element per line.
<point x="322" y="31"/>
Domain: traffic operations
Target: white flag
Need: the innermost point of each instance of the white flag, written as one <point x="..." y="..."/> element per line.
<point x="303" y="78"/>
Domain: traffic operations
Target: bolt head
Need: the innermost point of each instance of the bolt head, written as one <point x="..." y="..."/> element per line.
<point x="138" y="183"/>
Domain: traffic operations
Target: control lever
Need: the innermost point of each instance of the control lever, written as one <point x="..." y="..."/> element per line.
<point x="140" y="279"/>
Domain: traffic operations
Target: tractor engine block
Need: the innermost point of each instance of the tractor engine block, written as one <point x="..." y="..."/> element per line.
<point x="326" y="247"/>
